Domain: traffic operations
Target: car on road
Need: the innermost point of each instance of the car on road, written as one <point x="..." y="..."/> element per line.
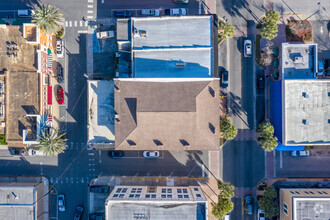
<point x="60" y="74"/>
<point x="176" y="11"/>
<point x="60" y="95"/>
<point x="260" y="81"/>
<point x="302" y="153"/>
<point x="261" y="215"/>
<point x="116" y="153"/>
<point x="224" y="79"/>
<point x="35" y="152"/>
<point x="123" y="14"/>
<point x="320" y="71"/>
<point x="17" y="151"/>
<point x="249" y="204"/>
<point x="181" y="1"/>
<point x="25" y="13"/>
<point x="151" y="154"/>
<point x="99" y="189"/>
<point x="105" y="34"/>
<point x="150" y="12"/>
<point x="247" y="48"/>
<point x="59" y="48"/>
<point x="78" y="213"/>
<point x="61" y="202"/>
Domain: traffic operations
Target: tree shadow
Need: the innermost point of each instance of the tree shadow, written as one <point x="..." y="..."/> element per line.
<point x="233" y="7"/>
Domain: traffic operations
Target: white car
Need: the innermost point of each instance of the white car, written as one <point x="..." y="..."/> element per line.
<point x="25" y="13"/>
<point x="150" y="12"/>
<point x="61" y="202"/>
<point x="105" y="34"/>
<point x="59" y="48"/>
<point x="178" y="11"/>
<point x="247" y="48"/>
<point x="261" y="215"/>
<point x="151" y="154"/>
<point x="34" y="152"/>
<point x="300" y="153"/>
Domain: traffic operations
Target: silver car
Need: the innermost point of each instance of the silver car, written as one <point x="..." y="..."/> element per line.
<point x="61" y="202"/>
<point x="247" y="48"/>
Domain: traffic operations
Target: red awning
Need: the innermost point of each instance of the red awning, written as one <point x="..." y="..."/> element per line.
<point x="49" y="95"/>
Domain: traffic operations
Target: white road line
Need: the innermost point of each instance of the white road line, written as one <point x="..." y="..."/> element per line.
<point x="71" y="145"/>
<point x="82" y="145"/>
<point x="89" y="17"/>
<point x="56" y="180"/>
<point x="281" y="160"/>
<point x="91" y="164"/>
<point x="66" y="23"/>
<point x="86" y="23"/>
<point x="80" y="22"/>
<point x="70" y="23"/>
<point x="102" y="1"/>
<point x="41" y="169"/>
<point x="90" y="6"/>
<point x="90" y="12"/>
<point x="71" y="180"/>
<point x="82" y="179"/>
<point x="91" y="154"/>
<point x="82" y="31"/>
<point x="100" y="161"/>
<point x="61" y="180"/>
<point x="51" y="180"/>
<point x="77" y="146"/>
<point x="75" y="23"/>
<point x="203" y="171"/>
<point x="67" y="179"/>
<point x="200" y="8"/>
<point x="91" y="159"/>
<point x="77" y="180"/>
<point x="91" y="1"/>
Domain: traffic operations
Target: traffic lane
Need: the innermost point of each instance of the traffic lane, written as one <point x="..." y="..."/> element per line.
<point x="104" y="9"/>
<point x="243" y="163"/>
<point x="315" y="165"/>
<point x="18" y="4"/>
<point x="307" y="8"/>
<point x="187" y="164"/>
<point x="321" y="30"/>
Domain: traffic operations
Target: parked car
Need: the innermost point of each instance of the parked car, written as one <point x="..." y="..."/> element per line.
<point x="224" y="79"/>
<point x="248" y="204"/>
<point x="60" y="95"/>
<point x="116" y="153"/>
<point x="320" y="71"/>
<point x="17" y="151"/>
<point x="260" y="81"/>
<point x="61" y="202"/>
<point x="123" y="14"/>
<point x="60" y="74"/>
<point x="261" y="215"/>
<point x="105" y="34"/>
<point x="247" y="48"/>
<point x="25" y="13"/>
<point x="96" y="216"/>
<point x="182" y="1"/>
<point x="34" y="152"/>
<point x="151" y="154"/>
<point x="176" y="11"/>
<point x="99" y="189"/>
<point x="79" y="212"/>
<point x="300" y="153"/>
<point x="59" y="48"/>
<point x="327" y="67"/>
<point x="150" y="12"/>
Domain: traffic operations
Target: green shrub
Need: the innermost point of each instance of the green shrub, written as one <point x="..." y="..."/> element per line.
<point x="3" y="139"/>
<point x="59" y="33"/>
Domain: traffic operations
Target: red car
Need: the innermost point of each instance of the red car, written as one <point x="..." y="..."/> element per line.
<point x="60" y="96"/>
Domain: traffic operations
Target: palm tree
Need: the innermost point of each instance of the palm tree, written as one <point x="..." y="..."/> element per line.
<point x="51" y="142"/>
<point x="48" y="18"/>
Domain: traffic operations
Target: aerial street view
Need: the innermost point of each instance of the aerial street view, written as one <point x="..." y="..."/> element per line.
<point x="164" y="109"/>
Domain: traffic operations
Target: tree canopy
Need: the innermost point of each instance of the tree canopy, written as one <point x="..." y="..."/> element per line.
<point x="267" y="139"/>
<point x="268" y="25"/>
<point x="51" y="142"/>
<point x="267" y="202"/>
<point x="48" y="18"/>
<point x="229" y="131"/>
<point x="223" y="207"/>
<point x="226" y="30"/>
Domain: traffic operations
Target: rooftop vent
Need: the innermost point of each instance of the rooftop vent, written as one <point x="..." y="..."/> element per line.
<point x="298" y="60"/>
<point x="180" y="64"/>
<point x="305" y="122"/>
<point x="184" y="143"/>
<point x="305" y="94"/>
<point x="143" y="33"/>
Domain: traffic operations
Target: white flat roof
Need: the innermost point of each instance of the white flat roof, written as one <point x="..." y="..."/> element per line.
<point x="101" y="111"/>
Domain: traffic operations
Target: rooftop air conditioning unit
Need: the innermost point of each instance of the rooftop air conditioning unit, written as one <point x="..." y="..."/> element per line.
<point x="143" y="33"/>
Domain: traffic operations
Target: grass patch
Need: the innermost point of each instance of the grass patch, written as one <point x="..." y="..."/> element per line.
<point x="258" y="37"/>
<point x="3" y="139"/>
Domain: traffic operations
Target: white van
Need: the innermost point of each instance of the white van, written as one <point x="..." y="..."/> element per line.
<point x="34" y="152"/>
<point x="25" y="13"/>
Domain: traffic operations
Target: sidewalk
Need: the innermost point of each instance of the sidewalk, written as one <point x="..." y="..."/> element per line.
<point x="208" y="186"/>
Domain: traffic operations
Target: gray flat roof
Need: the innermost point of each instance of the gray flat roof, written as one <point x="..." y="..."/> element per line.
<point x="311" y="208"/>
<point x="306" y="100"/>
<point x="173" y="32"/>
<point x="20" y="207"/>
<point x="101" y="111"/>
<point x="155" y="210"/>
<point x="163" y="63"/>
<point x="299" y="61"/>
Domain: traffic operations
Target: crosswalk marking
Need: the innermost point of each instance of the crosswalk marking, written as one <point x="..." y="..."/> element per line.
<point x="90" y="6"/>
<point x="90" y="12"/>
<point x="89" y="17"/>
<point x="66" y="23"/>
<point x="86" y="23"/>
<point x="91" y="1"/>
<point x="80" y="22"/>
<point x="70" y="23"/>
<point x="75" y="23"/>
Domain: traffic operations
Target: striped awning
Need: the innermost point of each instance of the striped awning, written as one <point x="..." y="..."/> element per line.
<point x="50" y="61"/>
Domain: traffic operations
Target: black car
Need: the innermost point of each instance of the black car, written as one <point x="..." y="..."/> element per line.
<point x="123" y="14"/>
<point x="224" y="79"/>
<point x="17" y="151"/>
<point x="116" y="153"/>
<point x="79" y="212"/>
<point x="60" y="75"/>
<point x="260" y="81"/>
<point x="99" y="189"/>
